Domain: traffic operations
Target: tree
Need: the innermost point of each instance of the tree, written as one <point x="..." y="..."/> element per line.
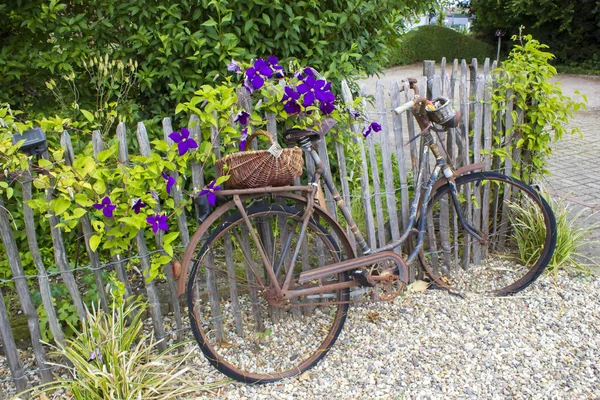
<point x="569" y="28"/>
<point x="181" y="45"/>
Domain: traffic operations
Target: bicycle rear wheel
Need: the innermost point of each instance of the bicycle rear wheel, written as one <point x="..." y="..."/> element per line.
<point x="518" y="232"/>
<point x="230" y="298"/>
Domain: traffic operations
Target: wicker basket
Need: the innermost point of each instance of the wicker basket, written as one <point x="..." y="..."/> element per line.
<point x="273" y="167"/>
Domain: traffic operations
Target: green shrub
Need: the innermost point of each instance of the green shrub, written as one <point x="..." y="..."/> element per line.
<point x="112" y="358"/>
<point x="179" y="46"/>
<point x="572" y="233"/>
<point x="434" y="42"/>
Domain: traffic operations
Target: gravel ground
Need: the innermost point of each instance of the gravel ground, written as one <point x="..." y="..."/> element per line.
<point x="541" y="343"/>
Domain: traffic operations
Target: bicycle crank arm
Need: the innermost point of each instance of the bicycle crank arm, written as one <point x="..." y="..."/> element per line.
<point x="355" y="263"/>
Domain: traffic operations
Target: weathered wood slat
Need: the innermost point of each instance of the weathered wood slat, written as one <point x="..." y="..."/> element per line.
<point x="44" y="283"/>
<point x="86" y="226"/>
<point x="60" y="258"/>
<point x="364" y="174"/>
<point x="153" y="299"/>
<point x="477" y="144"/>
<point x="184" y="233"/>
<point x="145" y="150"/>
<point x="387" y="142"/>
<point x="119" y="266"/>
<point x="410" y="124"/>
<point x="10" y="348"/>
<point x="343" y="172"/>
<point x="16" y="267"/>
<point x="464" y="134"/>
<point x="487" y="149"/>
<point x="376" y="189"/>
<point x="400" y="156"/>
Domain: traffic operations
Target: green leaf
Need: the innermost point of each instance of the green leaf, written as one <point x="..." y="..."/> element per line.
<point x="94" y="242"/>
<point x="169" y="237"/>
<point x="60" y="205"/>
<point x="88" y="115"/>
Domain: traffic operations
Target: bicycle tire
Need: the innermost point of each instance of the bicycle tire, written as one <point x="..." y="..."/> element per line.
<point x="324" y="322"/>
<point x="520" y="230"/>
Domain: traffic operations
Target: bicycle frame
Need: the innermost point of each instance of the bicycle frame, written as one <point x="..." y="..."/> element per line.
<point x="283" y="290"/>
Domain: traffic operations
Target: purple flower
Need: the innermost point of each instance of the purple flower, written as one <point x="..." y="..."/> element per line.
<point x="327" y="107"/>
<point x="170" y="182"/>
<point x="290" y="100"/>
<point x="372" y="127"/>
<point x="183" y="140"/>
<point x="314" y="89"/>
<point x="233" y="66"/>
<point x="305" y="73"/>
<point x="243" y="139"/>
<point x="95" y="355"/>
<point x="106" y="206"/>
<point x="158" y="222"/>
<point x="278" y="69"/>
<point x="354" y="113"/>
<point x="242" y="117"/>
<point x="257" y="74"/>
<point x="137" y="205"/>
<point x="209" y="190"/>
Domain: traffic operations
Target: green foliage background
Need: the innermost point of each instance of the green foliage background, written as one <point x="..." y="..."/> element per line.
<point x="181" y="45"/>
<point x="432" y="42"/>
<point x="569" y="28"/>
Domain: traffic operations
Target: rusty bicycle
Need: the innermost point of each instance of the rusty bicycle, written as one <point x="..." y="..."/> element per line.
<point x="273" y="274"/>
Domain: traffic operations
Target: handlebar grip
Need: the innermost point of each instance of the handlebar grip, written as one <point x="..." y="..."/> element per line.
<point x="404" y="107"/>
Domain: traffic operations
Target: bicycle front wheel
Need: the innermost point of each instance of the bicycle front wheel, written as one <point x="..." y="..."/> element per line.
<point x="242" y="329"/>
<point x="517" y="233"/>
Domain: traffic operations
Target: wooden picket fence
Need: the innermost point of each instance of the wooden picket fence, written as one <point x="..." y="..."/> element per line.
<point x="385" y="204"/>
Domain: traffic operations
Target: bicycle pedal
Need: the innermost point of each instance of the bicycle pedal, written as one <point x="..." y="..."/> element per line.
<point x="361" y="276"/>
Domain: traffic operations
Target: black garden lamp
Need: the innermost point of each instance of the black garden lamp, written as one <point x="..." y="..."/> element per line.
<point x="35" y="141"/>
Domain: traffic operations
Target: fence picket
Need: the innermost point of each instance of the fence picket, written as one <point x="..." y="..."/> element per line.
<point x="145" y="150"/>
<point x="86" y="226"/>
<point x="18" y="273"/>
<point x="10" y="348"/>
<point x="98" y="146"/>
<point x="386" y="162"/>
<point x="153" y="299"/>
<point x="400" y="156"/>
<point x="44" y="283"/>
<point x="364" y="174"/>
<point x="184" y="233"/>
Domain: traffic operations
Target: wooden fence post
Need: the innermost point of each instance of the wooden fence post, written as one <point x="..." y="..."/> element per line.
<point x="153" y="300"/>
<point x="14" y="261"/>
<point x="86" y="226"/>
<point x="10" y="348"/>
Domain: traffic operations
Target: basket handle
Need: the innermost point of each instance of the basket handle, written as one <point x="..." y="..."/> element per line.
<point x="257" y="134"/>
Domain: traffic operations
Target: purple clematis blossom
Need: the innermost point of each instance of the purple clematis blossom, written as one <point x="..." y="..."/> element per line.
<point x="314" y="89"/>
<point x="106" y="206"/>
<point x="137" y="205"/>
<point x="327" y="107"/>
<point x="158" y="222"/>
<point x="242" y="117"/>
<point x="234" y="66"/>
<point x="170" y="182"/>
<point x="183" y="140"/>
<point x="243" y="139"/>
<point x="372" y="127"/>
<point x="257" y="74"/>
<point x="209" y="191"/>
<point x="277" y="69"/>
<point x="290" y="100"/>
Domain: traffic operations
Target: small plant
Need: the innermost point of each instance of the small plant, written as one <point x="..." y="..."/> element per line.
<point x="112" y="358"/>
<point x="572" y="233"/>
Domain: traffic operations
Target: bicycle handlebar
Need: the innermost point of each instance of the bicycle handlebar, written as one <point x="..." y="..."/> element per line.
<point x="405" y="107"/>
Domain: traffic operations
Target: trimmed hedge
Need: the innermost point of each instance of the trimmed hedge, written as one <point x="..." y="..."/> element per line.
<point x="430" y="42"/>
